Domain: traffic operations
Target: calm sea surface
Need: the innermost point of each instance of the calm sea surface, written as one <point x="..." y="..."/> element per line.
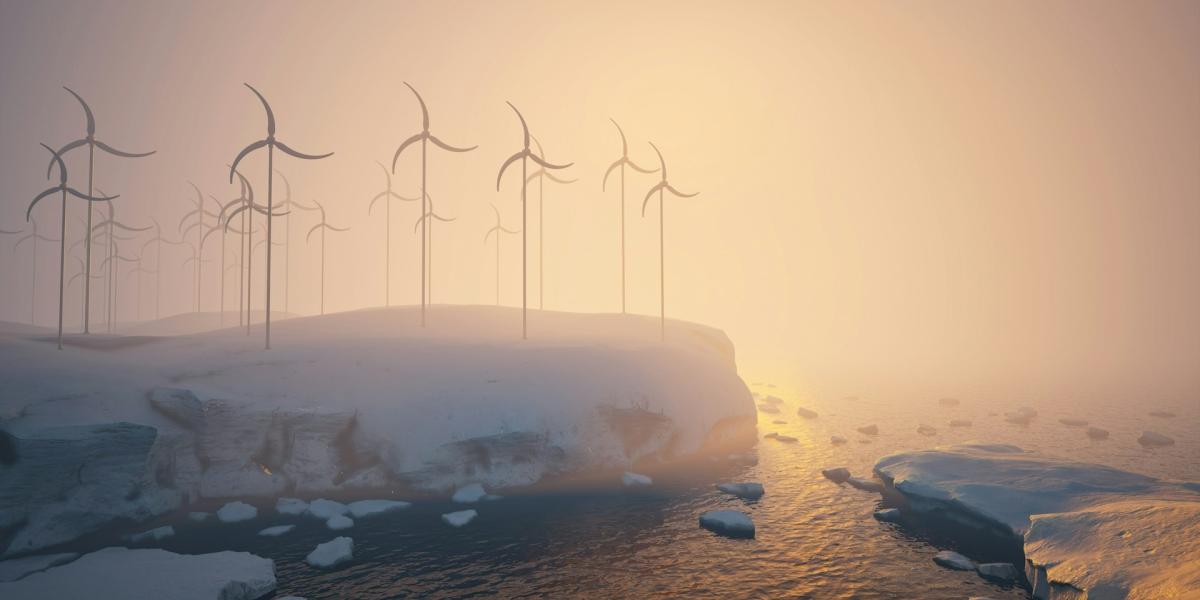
<point x="814" y="539"/>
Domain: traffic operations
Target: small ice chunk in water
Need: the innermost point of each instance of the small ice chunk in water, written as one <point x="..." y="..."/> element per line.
<point x="460" y="518"/>
<point x="1097" y="434"/>
<point x="339" y="522"/>
<point x="953" y="560"/>
<point x="998" y="571"/>
<point x="866" y="485"/>
<point x="779" y="437"/>
<point x="769" y="409"/>
<point x="469" y="494"/>
<point x="748" y="490"/>
<point x="332" y="553"/>
<point x="1151" y="439"/>
<point x="960" y="423"/>
<point x="630" y="479"/>
<point x="837" y="474"/>
<point x="869" y="430"/>
<point x="324" y="509"/>
<point x="837" y="440"/>
<point x="926" y="430"/>
<point x="198" y="517"/>
<point x="367" y="508"/>
<point x="290" y="506"/>
<point x="731" y="523"/>
<point x="153" y="535"/>
<point x="1023" y="416"/>
<point x="276" y="531"/>
<point x="890" y="515"/>
<point x="235" y="512"/>
<point x="773" y="400"/>
<point x="806" y="413"/>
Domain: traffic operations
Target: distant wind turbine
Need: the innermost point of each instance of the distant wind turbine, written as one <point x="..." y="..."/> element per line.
<point x="524" y="156"/>
<point x="622" y="163"/>
<point x="427" y="220"/>
<point x="660" y="187"/>
<point x="322" y="226"/>
<point x="498" y="229"/>
<point x="270" y="143"/>
<point x="246" y="206"/>
<point x="64" y="189"/>
<point x="387" y="195"/>
<point x="92" y="143"/>
<point x="158" y="241"/>
<point x="34" y="236"/>
<point x="110" y="224"/>
<point x="541" y="175"/>
<point x="199" y="212"/>
<point x="424" y="137"/>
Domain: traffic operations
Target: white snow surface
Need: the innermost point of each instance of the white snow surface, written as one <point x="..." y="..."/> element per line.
<point x="331" y="553"/>
<point x="1108" y="532"/>
<point x="347" y="404"/>
<point x="149" y="574"/>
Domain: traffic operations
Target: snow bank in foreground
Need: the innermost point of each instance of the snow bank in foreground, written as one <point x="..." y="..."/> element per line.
<point x="1088" y="530"/>
<point x="149" y="574"/>
<point x="350" y="404"/>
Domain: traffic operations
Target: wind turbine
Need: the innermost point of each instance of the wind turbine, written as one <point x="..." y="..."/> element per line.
<point x="498" y="229"/>
<point x="35" y="236"/>
<point x="110" y="223"/>
<point x="424" y="137"/>
<point x="660" y="187"/>
<point x="524" y="156"/>
<point x="270" y="143"/>
<point x="199" y="212"/>
<point x="323" y="225"/>
<point x="64" y="189"/>
<point x="242" y="203"/>
<point x="158" y="240"/>
<point x="622" y="163"/>
<point x="387" y="195"/>
<point x="92" y="144"/>
<point x="541" y="175"/>
<point x="109" y="263"/>
<point x="427" y="219"/>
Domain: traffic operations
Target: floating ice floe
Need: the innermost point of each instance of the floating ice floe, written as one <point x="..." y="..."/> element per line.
<point x="1022" y="416"/>
<point x="836" y="474"/>
<point x="631" y="479"/>
<point x="779" y="422"/>
<point x="997" y="571"/>
<point x="889" y="515"/>
<point x="730" y="523"/>
<point x="276" y="531"/>
<point x="1073" y="422"/>
<point x="866" y="485"/>
<point x="460" y="518"/>
<point x="146" y="574"/>
<point x="153" y="535"/>
<point x="368" y="508"/>
<point x="337" y="551"/>
<point x="235" y="512"/>
<point x="769" y="409"/>
<point x="1097" y="434"/>
<point x="869" y="430"/>
<point x="806" y="413"/>
<point x="469" y="494"/>
<point x="339" y="522"/>
<point x="926" y="430"/>
<point x="198" y="517"/>
<point x="325" y="509"/>
<point x="960" y="423"/>
<point x="16" y="568"/>
<point x="837" y="440"/>
<point x="954" y="560"/>
<point x="779" y="437"/>
<point x="748" y="490"/>
<point x="1083" y="526"/>
<point x="773" y="400"/>
<point x="1151" y="439"/>
<point x="290" y="506"/>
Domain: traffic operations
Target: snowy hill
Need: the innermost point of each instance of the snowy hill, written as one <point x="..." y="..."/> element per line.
<point x="347" y="403"/>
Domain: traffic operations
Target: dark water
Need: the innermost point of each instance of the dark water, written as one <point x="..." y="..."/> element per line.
<point x="814" y="539"/>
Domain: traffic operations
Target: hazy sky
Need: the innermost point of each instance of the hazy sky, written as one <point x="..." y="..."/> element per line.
<point x="963" y="196"/>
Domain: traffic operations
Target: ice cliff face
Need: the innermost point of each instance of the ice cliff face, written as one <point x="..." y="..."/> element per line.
<point x="348" y="403"/>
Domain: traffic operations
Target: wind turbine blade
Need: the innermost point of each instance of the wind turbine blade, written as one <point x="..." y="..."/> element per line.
<point x="680" y="194"/>
<point x="287" y="149"/>
<point x="444" y="219"/>
<point x="511" y="160"/>
<point x="185" y="218"/>
<point x="424" y="110"/>
<point x="538" y="160"/>
<point x="270" y="114"/>
<point x="303" y="207"/>
<point x="61" y="152"/>
<point x="497" y="211"/>
<point x="445" y="146"/>
<point x="371" y="206"/>
<point x="233" y="214"/>
<point x="199" y="196"/>
<point x="83" y="196"/>
<point x="120" y="225"/>
<point x="662" y="163"/>
<point x="287" y="187"/>
<point x="189" y="228"/>
<point x="557" y="180"/>
<point x="242" y="154"/>
<point x="404" y="198"/>
<point x="535" y="175"/>
<point x="410" y="141"/>
<point x="507" y="230"/>
<point x="10" y="232"/>
<point x="660" y="185"/>
<point x="611" y="168"/>
<point x="419" y="220"/>
<point x="62" y="167"/>
<point x="524" y="127"/>
<point x="538" y="144"/>
<point x="38" y="198"/>
<point x="310" y="231"/>
<point x="386" y="173"/>
<point x="122" y="153"/>
<point x="91" y="120"/>
<point x="624" y="143"/>
<point x="331" y="227"/>
<point x="489" y="234"/>
<point x="247" y="189"/>
<point x="638" y="168"/>
<point x="204" y="237"/>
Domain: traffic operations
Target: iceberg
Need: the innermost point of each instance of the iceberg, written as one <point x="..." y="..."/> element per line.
<point x="469" y="494"/>
<point x="326" y="509"/>
<point x="335" y="552"/>
<point x="749" y="490"/>
<point x="729" y="523"/>
<point x="235" y="512"/>
<point x="290" y="506"/>
<point x="953" y="560"/>
<point x="460" y="518"/>
<point x="339" y="522"/>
